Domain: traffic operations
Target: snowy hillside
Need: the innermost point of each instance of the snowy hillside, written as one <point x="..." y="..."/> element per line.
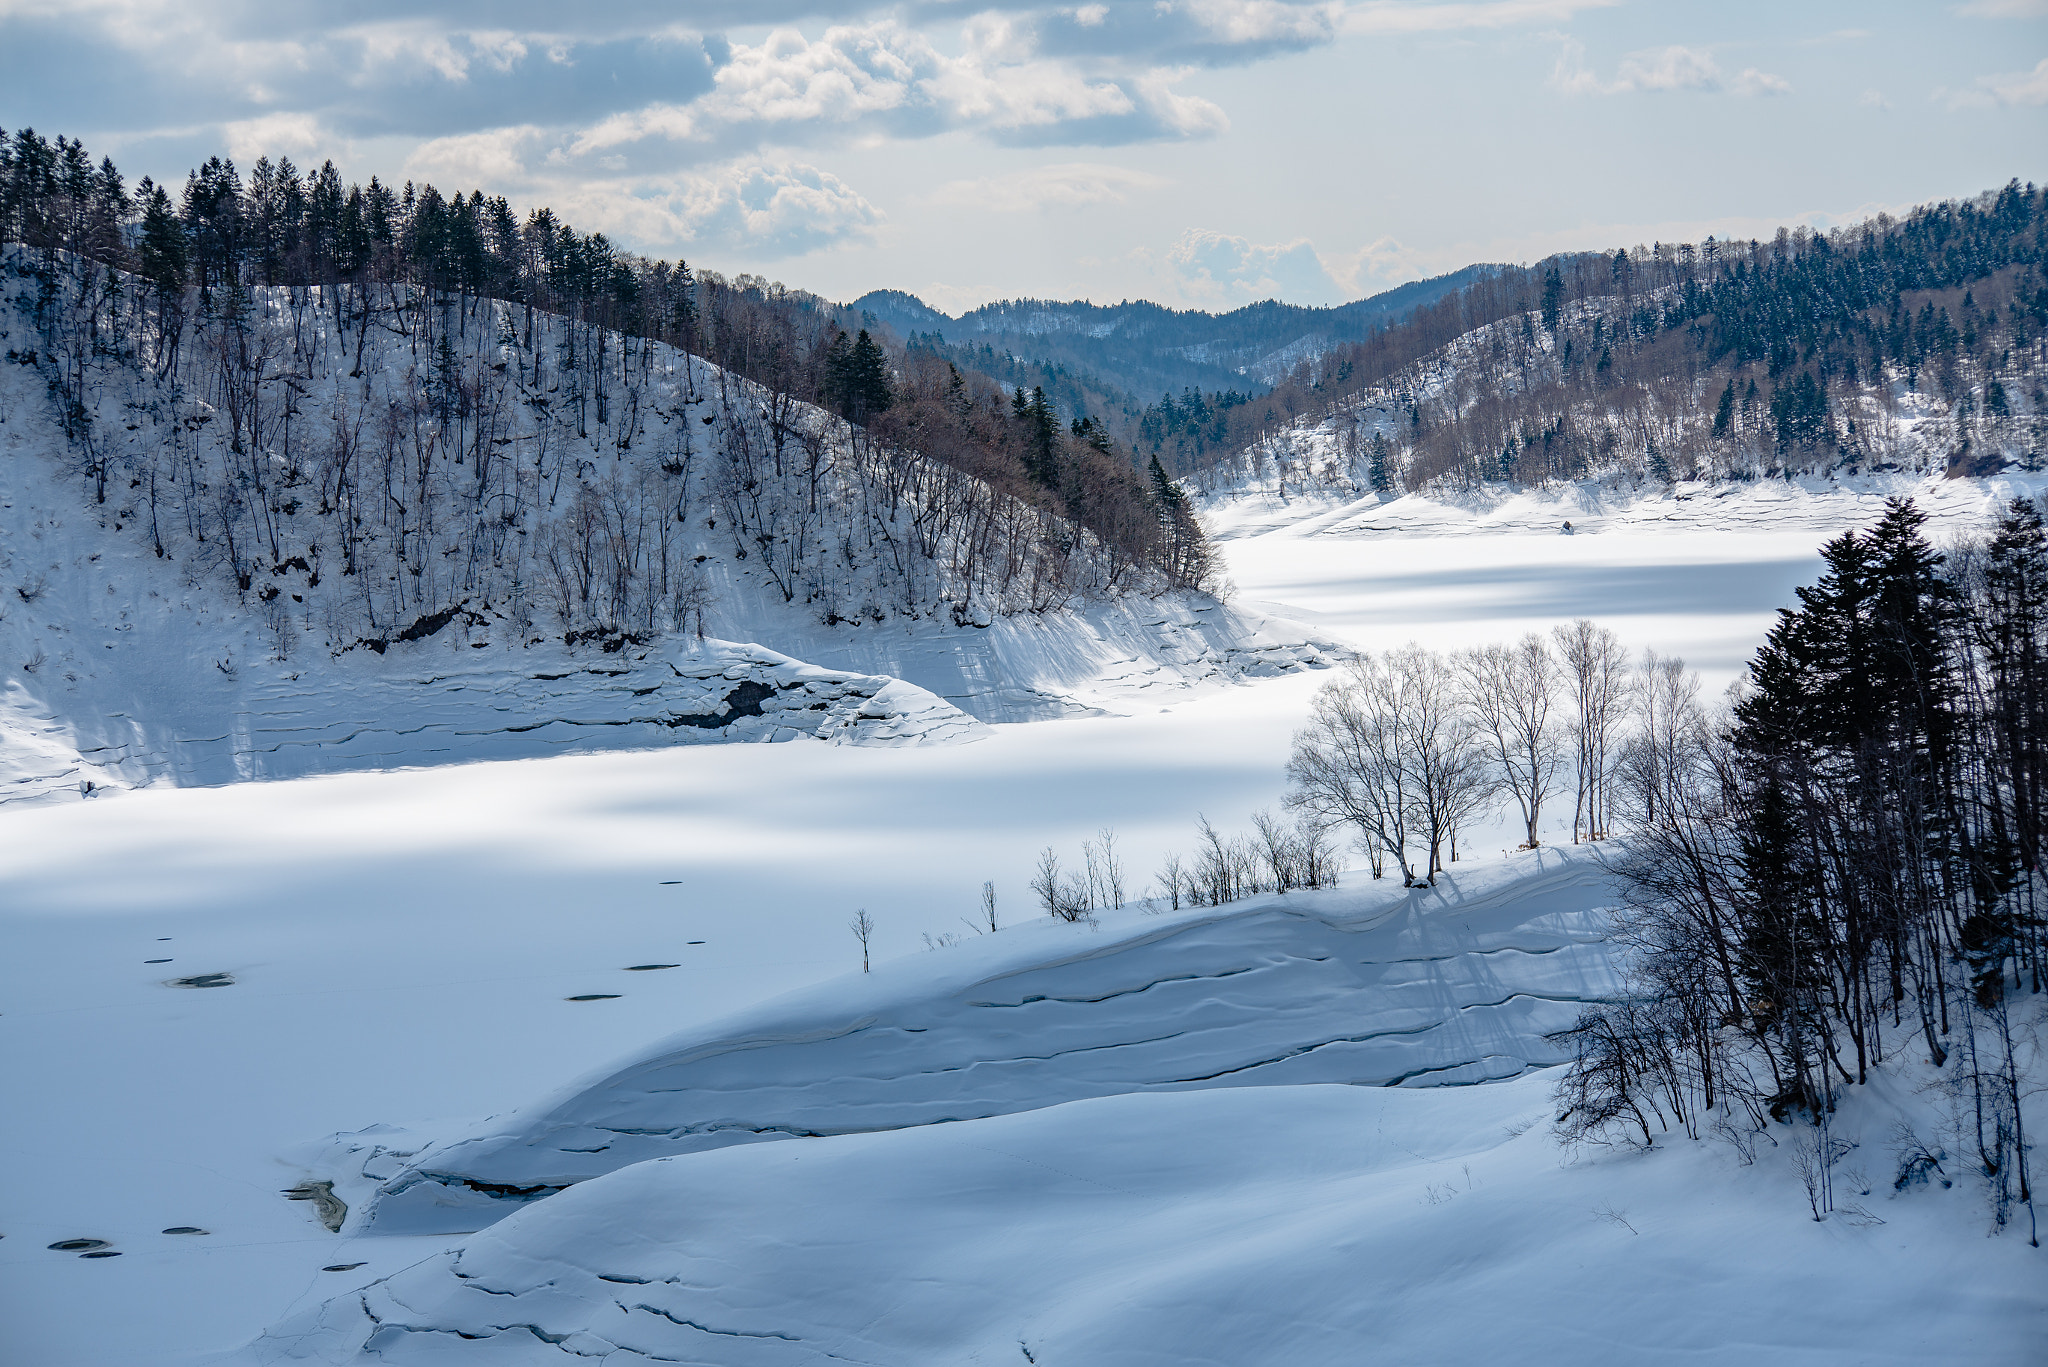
<point x="1145" y="1136"/>
<point x="339" y="544"/>
<point x="1379" y="987"/>
<point x="1282" y="1226"/>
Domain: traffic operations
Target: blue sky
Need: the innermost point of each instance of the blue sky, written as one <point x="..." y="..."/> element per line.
<point x="1198" y="152"/>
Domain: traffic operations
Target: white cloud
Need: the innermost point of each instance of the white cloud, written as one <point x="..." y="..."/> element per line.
<point x="1218" y="268"/>
<point x="1754" y="82"/>
<point x="1401" y="16"/>
<point x="885" y="79"/>
<point x="1874" y="99"/>
<point x="301" y="136"/>
<point x="2010" y="88"/>
<point x="2005" y="9"/>
<point x="1662" y="69"/>
<point x="1066" y="185"/>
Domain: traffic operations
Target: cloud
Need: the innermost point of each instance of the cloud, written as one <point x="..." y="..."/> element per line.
<point x="1874" y="99"/>
<point x="886" y="80"/>
<point x="2005" y="9"/>
<point x="1068" y="185"/>
<point x="1753" y="82"/>
<point x="1215" y="267"/>
<point x="1400" y="16"/>
<point x="1662" y="69"/>
<point x="1186" y="32"/>
<point x="2012" y="89"/>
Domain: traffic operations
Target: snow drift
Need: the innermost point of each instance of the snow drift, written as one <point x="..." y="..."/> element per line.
<point x="1378" y="987"/>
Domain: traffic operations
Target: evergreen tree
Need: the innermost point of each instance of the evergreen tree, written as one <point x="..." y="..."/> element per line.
<point x="1553" y="297"/>
<point x="1379" y="470"/>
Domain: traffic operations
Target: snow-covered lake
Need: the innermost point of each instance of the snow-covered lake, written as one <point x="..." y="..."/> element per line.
<point x="402" y="945"/>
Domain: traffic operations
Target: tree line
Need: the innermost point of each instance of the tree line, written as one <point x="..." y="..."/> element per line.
<point x="1844" y="867"/>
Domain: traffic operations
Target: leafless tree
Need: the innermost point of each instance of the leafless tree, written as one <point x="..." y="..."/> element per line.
<point x="988" y="907"/>
<point x="1512" y="691"/>
<point x="863" y="927"/>
<point x="1596" y="673"/>
<point x="1347" y="766"/>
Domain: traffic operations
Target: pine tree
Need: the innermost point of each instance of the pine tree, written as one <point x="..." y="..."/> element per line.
<point x="1553" y="297"/>
<point x="1378" y="469"/>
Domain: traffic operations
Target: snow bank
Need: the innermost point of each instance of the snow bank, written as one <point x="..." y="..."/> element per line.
<point x="1375" y="986"/>
<point x="1816" y="506"/>
<point x="1293" y="1226"/>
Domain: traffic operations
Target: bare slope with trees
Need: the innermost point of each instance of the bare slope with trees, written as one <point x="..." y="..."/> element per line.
<point x="1914" y="342"/>
<point x="425" y="406"/>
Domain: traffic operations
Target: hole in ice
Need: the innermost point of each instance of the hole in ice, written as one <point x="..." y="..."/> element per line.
<point x="203" y="980"/>
<point x="341" y="1267"/>
<point x="185" y="1229"/>
<point x="103" y="1253"/>
<point x="696" y="942"/>
<point x="594" y="997"/>
<point x="643" y="968"/>
<point x="162" y="938"/>
<point x="156" y="961"/>
<point x="77" y="1245"/>
<point x="671" y="882"/>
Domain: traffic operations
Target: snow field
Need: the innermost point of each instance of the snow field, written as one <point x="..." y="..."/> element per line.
<point x="1274" y="1225"/>
<point x="1378" y="986"/>
<point x="403" y="944"/>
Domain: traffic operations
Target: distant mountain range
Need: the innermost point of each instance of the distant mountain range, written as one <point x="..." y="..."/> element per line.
<point x="1145" y="349"/>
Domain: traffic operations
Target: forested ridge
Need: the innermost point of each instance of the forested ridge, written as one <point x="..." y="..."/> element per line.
<point x="1891" y="341"/>
<point x="292" y="380"/>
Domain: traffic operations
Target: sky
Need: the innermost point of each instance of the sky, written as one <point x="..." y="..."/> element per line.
<point x="1200" y="153"/>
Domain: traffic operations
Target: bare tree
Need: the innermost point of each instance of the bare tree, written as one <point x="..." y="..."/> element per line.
<point x="1347" y="766"/>
<point x="1112" y="868"/>
<point x="1511" y="691"/>
<point x="1449" y="778"/>
<point x="1064" y="896"/>
<point x="1173" y="880"/>
<point x="863" y="927"/>
<point x="1669" y="717"/>
<point x="1596" y="671"/>
<point x="988" y="906"/>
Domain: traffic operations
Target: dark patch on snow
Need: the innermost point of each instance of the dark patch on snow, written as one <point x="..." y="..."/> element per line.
<point x="331" y="1209"/>
<point x="648" y="968"/>
<point x="429" y="624"/>
<point x="341" y="1267"/>
<point x="103" y="1253"/>
<point x="187" y="1229"/>
<point x="202" y="980"/>
<point x="744" y="701"/>
<point x="77" y="1245"/>
<point x="595" y="997"/>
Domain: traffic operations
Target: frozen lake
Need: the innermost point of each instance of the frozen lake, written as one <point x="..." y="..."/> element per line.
<point x="402" y="943"/>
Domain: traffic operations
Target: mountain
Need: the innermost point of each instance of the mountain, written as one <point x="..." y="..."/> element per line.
<point x="1901" y="343"/>
<point x="1145" y="349"/>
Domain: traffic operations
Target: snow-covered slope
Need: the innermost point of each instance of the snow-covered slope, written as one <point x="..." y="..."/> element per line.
<point x="1147" y="1163"/>
<point x="1295" y="1226"/>
<point x="1816" y="507"/>
<point x="203" y="592"/>
<point x="1379" y="986"/>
